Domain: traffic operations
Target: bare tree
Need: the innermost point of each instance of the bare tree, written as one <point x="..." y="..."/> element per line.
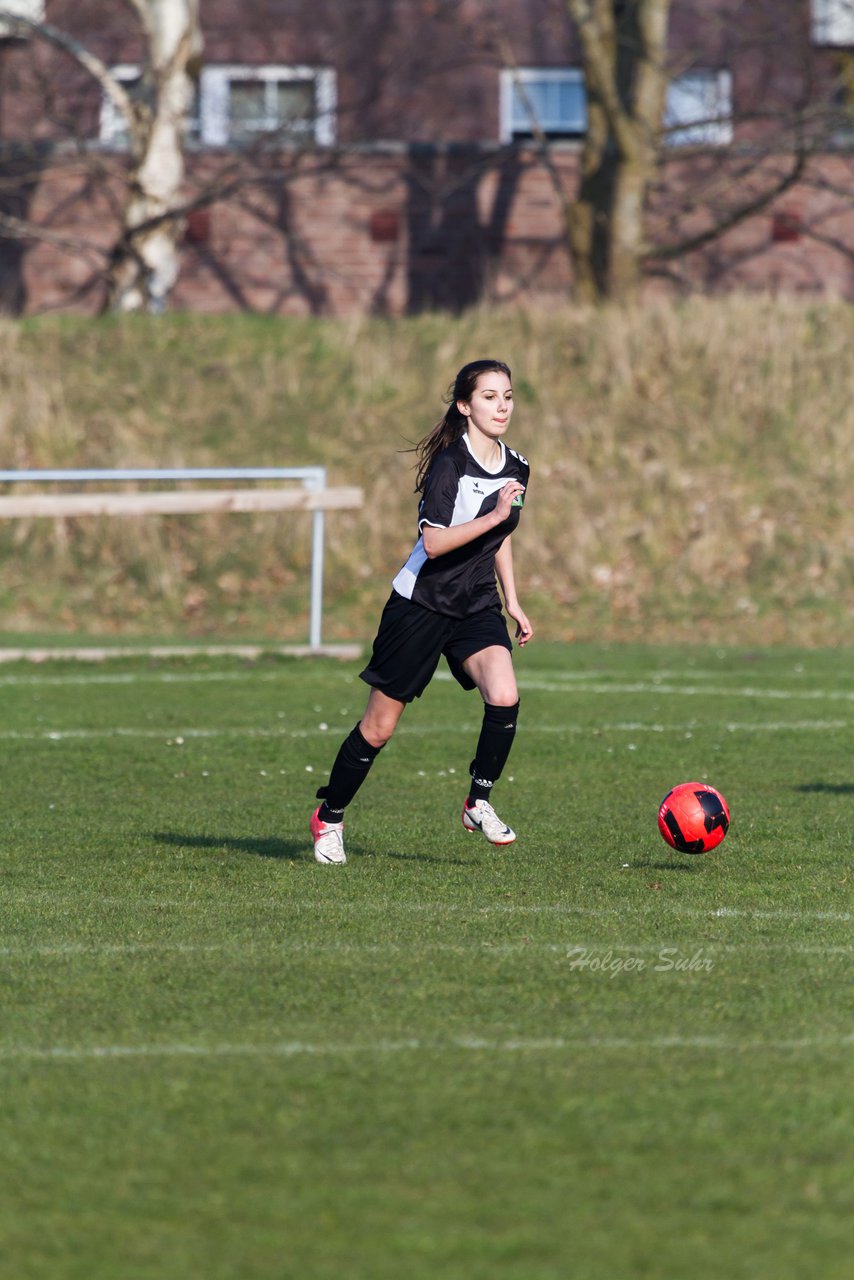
<point x="642" y="204"/>
<point x="624" y="53"/>
<point x="637" y="203"/>
<point x="143" y="263"/>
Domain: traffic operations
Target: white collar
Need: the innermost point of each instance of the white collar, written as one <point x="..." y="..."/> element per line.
<point x="492" y="471"/>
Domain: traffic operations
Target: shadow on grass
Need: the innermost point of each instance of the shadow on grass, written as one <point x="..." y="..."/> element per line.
<point x="827" y="788"/>
<point x="260" y="846"/>
<point x="295" y="850"/>
<point x="648" y="865"/>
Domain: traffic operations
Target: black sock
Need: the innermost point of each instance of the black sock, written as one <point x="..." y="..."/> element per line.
<point x="354" y="759"/>
<point x="493" y="747"/>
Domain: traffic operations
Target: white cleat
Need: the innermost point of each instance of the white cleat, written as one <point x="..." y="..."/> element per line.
<point x="328" y="840"/>
<point x="482" y="817"/>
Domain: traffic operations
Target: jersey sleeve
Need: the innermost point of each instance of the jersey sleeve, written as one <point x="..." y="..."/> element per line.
<point x="440" y="494"/>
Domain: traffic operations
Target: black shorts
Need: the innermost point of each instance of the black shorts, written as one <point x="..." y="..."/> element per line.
<point x="411" y="640"/>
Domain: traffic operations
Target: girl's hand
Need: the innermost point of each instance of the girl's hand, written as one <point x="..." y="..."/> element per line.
<point x="512" y="489"/>
<point x="524" y="630"/>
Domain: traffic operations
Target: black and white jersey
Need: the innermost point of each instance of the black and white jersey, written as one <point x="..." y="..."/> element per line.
<point x="458" y="488"/>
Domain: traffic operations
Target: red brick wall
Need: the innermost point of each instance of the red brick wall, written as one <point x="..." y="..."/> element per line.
<point x="391" y="230"/>
<point x="435" y="215"/>
<point x="417" y="70"/>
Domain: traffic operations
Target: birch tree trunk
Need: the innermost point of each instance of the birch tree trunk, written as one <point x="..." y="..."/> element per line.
<point x="624" y="45"/>
<point x="143" y="265"/>
<point x="145" y="261"/>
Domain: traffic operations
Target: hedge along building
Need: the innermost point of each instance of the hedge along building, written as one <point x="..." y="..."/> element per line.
<point x="398" y="155"/>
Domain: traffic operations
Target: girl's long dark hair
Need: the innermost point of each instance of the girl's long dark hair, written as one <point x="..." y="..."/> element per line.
<point x="454" y="423"/>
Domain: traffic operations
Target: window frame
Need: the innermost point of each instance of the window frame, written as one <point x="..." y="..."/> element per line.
<point x="214" y="85"/>
<point x="209" y="123"/>
<point x="832" y="23"/>
<point x="703" y="131"/>
<point x="112" y="126"/>
<point x="30" y="9"/>
<point x="706" y="130"/>
<point x="508" y="131"/>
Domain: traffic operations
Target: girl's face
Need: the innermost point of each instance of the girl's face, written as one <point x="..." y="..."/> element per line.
<point x="491" y="405"/>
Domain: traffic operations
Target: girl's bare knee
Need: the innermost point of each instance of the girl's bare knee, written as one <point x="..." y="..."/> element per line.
<point x="375" y="732"/>
<point x="380" y="719"/>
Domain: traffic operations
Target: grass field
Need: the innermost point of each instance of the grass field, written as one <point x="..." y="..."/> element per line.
<point x="692" y="467"/>
<point x="584" y="1056"/>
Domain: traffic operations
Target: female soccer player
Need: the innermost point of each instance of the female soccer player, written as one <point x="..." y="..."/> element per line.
<point x="444" y="601"/>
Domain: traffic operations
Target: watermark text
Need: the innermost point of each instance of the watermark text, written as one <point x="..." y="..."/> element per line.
<point x="611" y="962"/>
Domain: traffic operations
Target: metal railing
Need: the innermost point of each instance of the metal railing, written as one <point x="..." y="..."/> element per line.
<point x="315" y="497"/>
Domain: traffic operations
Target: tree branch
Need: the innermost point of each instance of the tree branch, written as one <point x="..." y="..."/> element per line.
<point x="832" y="242"/>
<point x="508" y="58"/>
<point x="666" y="253"/>
<point x="12" y="228"/>
<point x="88" y="60"/>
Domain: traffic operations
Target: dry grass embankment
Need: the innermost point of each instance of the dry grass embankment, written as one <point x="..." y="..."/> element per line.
<point x="692" y="467"/>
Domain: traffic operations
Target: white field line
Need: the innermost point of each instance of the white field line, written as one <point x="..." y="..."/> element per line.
<point x="184" y="677"/>
<point x="252" y="652"/>
<point x="95" y="950"/>
<point x="140" y="677"/>
<point x="181" y="735"/>
<point x="731" y="726"/>
<point x="683" y="673"/>
<point x="676" y="690"/>
<point x="595" y="913"/>
<point x="559" y="908"/>
<point x="450" y="1044"/>
<point x="568" y="682"/>
<point x="556" y="909"/>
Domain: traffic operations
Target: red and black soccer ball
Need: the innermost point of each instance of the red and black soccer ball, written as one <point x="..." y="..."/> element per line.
<point x="693" y="817"/>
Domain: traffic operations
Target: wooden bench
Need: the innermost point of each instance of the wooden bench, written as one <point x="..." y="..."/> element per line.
<point x="175" y="502"/>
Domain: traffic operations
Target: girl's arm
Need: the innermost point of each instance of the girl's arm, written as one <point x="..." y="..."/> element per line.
<point x="507" y="582"/>
<point x="438" y="542"/>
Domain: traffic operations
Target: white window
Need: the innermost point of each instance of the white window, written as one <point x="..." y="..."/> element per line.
<point x="113" y="128"/>
<point x="240" y="104"/>
<point x="833" y="22"/>
<point x="550" y="99"/>
<point x="32" y="9"/>
<point x="698" y="111"/>
<point x="235" y="105"/>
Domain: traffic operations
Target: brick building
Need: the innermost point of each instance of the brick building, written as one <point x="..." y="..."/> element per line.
<point x="379" y="155"/>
